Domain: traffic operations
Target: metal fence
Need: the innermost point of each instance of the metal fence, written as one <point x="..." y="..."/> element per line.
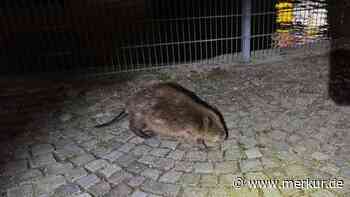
<point x="104" y="36"/>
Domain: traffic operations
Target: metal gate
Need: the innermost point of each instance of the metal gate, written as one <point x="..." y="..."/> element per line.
<point x="107" y="36"/>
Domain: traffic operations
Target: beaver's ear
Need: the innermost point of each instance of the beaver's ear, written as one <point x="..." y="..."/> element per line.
<point x="207" y="122"/>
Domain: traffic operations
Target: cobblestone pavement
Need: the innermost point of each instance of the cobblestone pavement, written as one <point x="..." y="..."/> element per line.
<point x="282" y="126"/>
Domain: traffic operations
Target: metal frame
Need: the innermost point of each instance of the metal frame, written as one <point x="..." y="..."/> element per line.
<point x="103" y="37"/>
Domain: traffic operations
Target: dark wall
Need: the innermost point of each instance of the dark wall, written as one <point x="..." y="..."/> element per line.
<point x="339" y="76"/>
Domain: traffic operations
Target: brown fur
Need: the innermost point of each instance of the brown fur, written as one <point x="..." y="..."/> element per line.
<point x="168" y="109"/>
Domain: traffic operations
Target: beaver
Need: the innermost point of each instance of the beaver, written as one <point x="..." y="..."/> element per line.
<point x="169" y="109"/>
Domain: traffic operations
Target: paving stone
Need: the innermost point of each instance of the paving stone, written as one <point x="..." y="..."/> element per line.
<point x="291" y="191"/>
<point x="21" y="191"/>
<point x="176" y="155"/>
<point x="250" y="165"/>
<point x="289" y="157"/>
<point x="232" y="155"/>
<point x="58" y="168"/>
<point x="100" y="189"/>
<point x="189" y="179"/>
<point x="121" y="190"/>
<point x="109" y="170"/>
<point x="345" y="171"/>
<point x="40" y="149"/>
<point x="296" y="170"/>
<point x="164" y="164"/>
<point x="164" y="189"/>
<point x="68" y="151"/>
<point x="136" y="140"/>
<point x="153" y="142"/>
<point x="196" y="156"/>
<point x="226" y="167"/>
<point x="101" y="151"/>
<point x="29" y="175"/>
<point x="105" y="136"/>
<point x="89" y="145"/>
<point x="331" y="169"/>
<point x="322" y="193"/>
<point x="119" y="177"/>
<point x="136" y="167"/>
<point x="139" y="193"/>
<point x="141" y="150"/>
<point x="136" y="181"/>
<point x="67" y="190"/>
<point x="153" y="195"/>
<point x="126" y="159"/>
<point x="42" y="160"/>
<point x="253" y="153"/>
<point x="320" y="156"/>
<point x="95" y="165"/>
<point x="151" y="173"/>
<point x="256" y="176"/>
<point x="230" y="144"/>
<point x="215" y="155"/>
<point x="248" y="142"/>
<point x="159" y="152"/>
<point x="49" y="184"/>
<point x="82" y="159"/>
<point x="203" y="167"/>
<point x="147" y="159"/>
<point x="244" y="191"/>
<point x="170" y="177"/>
<point x="169" y="144"/>
<point x="293" y="139"/>
<point x="81" y="136"/>
<point x="75" y="174"/>
<point x="83" y="195"/>
<point x="195" y="191"/>
<point x="269" y="163"/>
<point x="271" y="192"/>
<point x="218" y="191"/>
<point x="209" y="180"/>
<point x="183" y="166"/>
<point x="226" y="180"/>
<point x="278" y="135"/>
<point x="88" y="181"/>
<point x="113" y="156"/>
<point x="124" y="136"/>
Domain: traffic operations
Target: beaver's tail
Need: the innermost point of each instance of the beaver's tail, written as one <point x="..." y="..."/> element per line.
<point x="120" y="116"/>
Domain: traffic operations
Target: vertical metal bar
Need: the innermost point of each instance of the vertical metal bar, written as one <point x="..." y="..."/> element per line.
<point x="227" y="42"/>
<point x="216" y="24"/>
<point x="184" y="38"/>
<point x="200" y="13"/>
<point x="246" y="33"/>
<point x="234" y="32"/>
<point x="257" y="34"/>
<point x="254" y="30"/>
<point x="194" y="45"/>
<point x="268" y="21"/>
<point x="206" y="32"/>
<point x="154" y="37"/>
<point x="212" y="25"/>
<point x="172" y="40"/>
<point x="160" y="40"/>
<point x="263" y="27"/>
<point x="188" y="11"/>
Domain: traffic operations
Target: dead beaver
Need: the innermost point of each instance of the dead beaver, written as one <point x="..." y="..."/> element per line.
<point x="169" y="109"/>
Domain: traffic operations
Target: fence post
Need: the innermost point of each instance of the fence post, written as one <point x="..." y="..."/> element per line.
<point x="246" y="32"/>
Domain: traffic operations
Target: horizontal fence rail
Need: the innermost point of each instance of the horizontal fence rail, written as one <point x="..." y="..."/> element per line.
<point x="106" y="36"/>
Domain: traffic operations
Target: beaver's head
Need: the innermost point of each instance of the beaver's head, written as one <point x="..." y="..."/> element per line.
<point x="214" y="129"/>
